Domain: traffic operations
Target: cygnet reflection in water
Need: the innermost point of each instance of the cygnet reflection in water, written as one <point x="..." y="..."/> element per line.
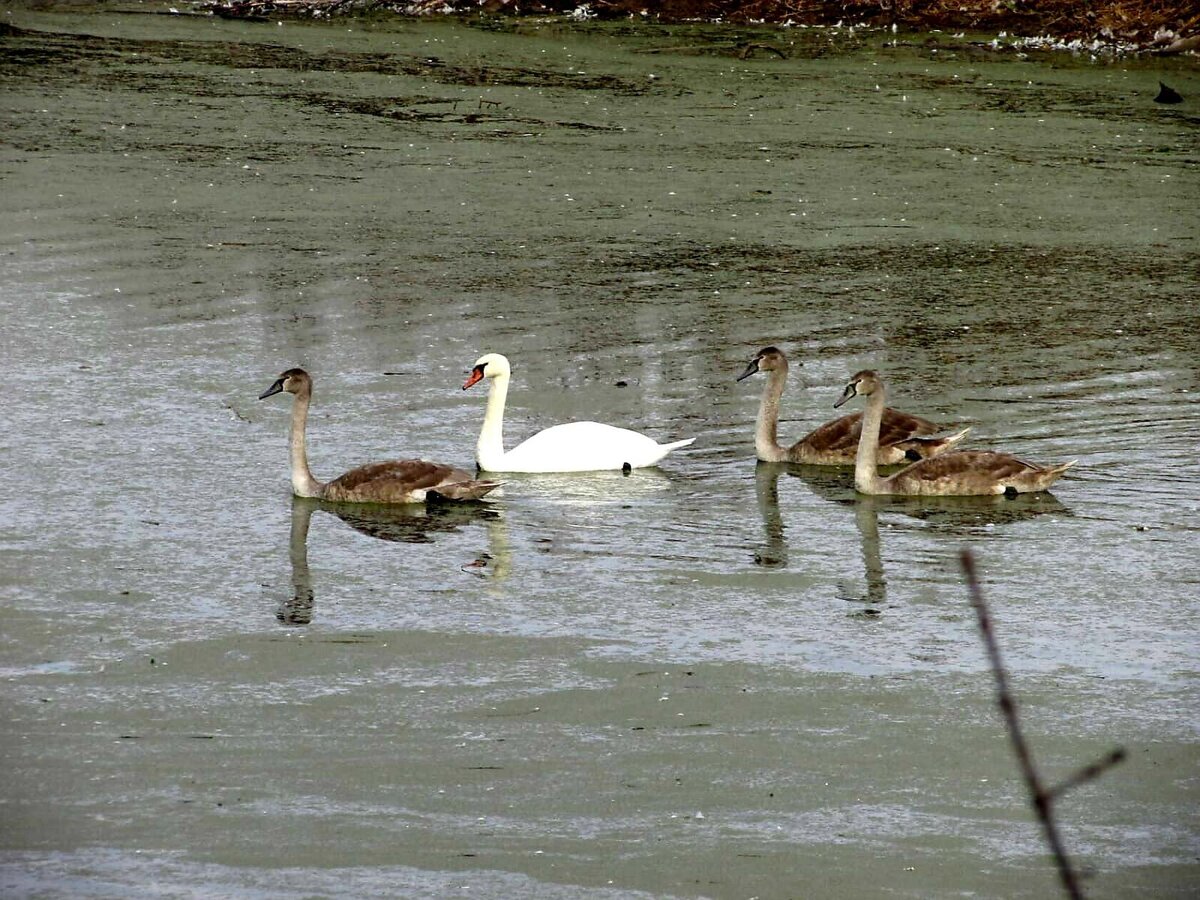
<point x="970" y="515"/>
<point x="399" y="524"/>
<point x="773" y="554"/>
<point x="966" y="515"/>
<point x="411" y="525"/>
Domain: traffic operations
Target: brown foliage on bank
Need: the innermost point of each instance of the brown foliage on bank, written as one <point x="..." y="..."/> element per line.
<point x="1140" y="22"/>
<point x="1063" y="18"/>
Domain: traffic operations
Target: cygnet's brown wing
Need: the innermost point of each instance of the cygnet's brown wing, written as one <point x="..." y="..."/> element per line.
<point x="399" y="481"/>
<point x="963" y="471"/>
<point x="843" y="433"/>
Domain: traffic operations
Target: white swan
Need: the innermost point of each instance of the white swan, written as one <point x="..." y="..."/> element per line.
<point x="573" y="447"/>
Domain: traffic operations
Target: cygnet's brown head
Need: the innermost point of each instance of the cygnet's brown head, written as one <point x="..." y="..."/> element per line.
<point x="862" y="384"/>
<point x="768" y="359"/>
<point x="293" y="381"/>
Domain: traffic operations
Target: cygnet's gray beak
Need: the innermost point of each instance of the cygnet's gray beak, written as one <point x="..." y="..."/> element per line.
<point x="847" y="394"/>
<point x="273" y="389"/>
<point x="750" y="370"/>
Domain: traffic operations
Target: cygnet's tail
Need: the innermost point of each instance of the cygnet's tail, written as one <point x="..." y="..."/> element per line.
<point x="927" y="447"/>
<point x="953" y="440"/>
<point x="465" y="490"/>
<point x="1061" y="467"/>
<point x="1040" y="480"/>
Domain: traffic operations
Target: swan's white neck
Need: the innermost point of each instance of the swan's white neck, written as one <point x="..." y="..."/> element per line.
<point x="866" y="474"/>
<point x="766" y="428"/>
<point x="489" y="451"/>
<point x="303" y="483"/>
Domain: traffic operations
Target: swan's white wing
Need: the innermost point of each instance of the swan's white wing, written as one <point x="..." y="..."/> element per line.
<point x="583" y="447"/>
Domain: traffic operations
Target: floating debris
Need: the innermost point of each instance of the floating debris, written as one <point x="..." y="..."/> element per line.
<point x="1167" y="95"/>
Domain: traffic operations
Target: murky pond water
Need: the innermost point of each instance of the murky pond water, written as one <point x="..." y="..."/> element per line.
<point x="710" y="679"/>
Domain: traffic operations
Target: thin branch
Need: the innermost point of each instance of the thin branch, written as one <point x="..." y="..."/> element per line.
<point x="1087" y="773"/>
<point x="1042" y="800"/>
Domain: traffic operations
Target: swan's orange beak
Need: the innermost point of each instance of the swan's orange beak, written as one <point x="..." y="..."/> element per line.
<point x="475" y="377"/>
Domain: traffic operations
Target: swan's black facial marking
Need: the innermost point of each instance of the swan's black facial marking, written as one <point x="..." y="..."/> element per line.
<point x="475" y="377"/>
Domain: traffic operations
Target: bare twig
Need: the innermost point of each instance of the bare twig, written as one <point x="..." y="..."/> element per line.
<point x="1042" y="798"/>
<point x="1087" y="773"/>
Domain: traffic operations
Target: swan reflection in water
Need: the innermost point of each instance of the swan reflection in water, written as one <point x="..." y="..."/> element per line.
<point x="410" y="524"/>
<point x="961" y="515"/>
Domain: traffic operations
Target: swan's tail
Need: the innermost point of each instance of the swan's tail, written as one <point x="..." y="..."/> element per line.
<point x="658" y="451"/>
<point x="675" y="445"/>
